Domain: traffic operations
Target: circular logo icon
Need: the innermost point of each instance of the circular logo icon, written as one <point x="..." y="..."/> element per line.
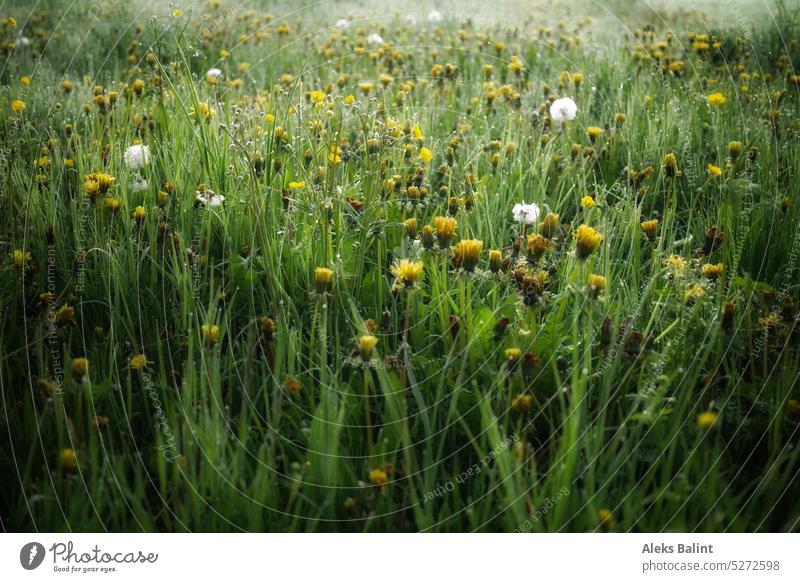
<point x="31" y="555"/>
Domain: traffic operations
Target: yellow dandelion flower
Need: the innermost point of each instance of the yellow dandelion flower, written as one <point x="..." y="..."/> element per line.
<point x="406" y="273"/>
<point x="716" y="99"/>
<point x="210" y="334"/>
<point x="425" y="155"/>
<point x="366" y="345"/>
<point x="466" y="253"/>
<point x="587" y="241"/>
<point x="707" y="420"/>
<point x="17" y="106"/>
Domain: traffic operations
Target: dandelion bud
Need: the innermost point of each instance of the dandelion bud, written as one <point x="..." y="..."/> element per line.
<point x="427" y="237"/>
<point x="445" y="230"/>
<point x="549" y="225"/>
<point x="80" y="369"/>
<point x="596" y="285"/>
<point x="495" y="260"/>
<point x="411" y="227"/>
<point x="210" y="334"/>
<point x="523" y="403"/>
<point x="67" y="460"/>
<point x="707" y="420"/>
<point x="650" y="228"/>
<point x="734" y="149"/>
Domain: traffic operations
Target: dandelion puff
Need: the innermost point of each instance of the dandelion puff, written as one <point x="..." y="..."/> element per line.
<point x="526" y="213"/>
<point x="342" y="24"/>
<point x="563" y="109"/>
<point x="137" y="156"/>
<point x="434" y="16"/>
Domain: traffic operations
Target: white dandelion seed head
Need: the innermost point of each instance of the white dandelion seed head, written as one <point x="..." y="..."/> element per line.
<point x="563" y="109"/>
<point x="137" y="156"/>
<point x="526" y="213"/>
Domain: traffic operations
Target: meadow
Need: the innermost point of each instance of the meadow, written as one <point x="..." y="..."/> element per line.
<point x="340" y="267"/>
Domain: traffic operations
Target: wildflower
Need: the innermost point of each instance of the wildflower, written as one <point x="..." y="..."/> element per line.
<point x="671" y="165"/>
<point x="342" y="24"/>
<point x="375" y="39"/>
<point x="213" y="75"/>
<point x="65" y="314"/>
<point x="67" y="460"/>
<point x="299" y="185"/>
<point x="139" y="213"/>
<point x="139" y="362"/>
<point x="425" y="155"/>
<point x="406" y="273"/>
<point x="466" y="254"/>
<point x="563" y="109"/>
<point x="210" y="334"/>
<point x="322" y="279"/>
<point x="711" y="271"/>
<point x="292" y="384"/>
<point x="734" y="149"/>
<point x="549" y="225"/>
<point x="137" y="156"/>
<point x="66" y="85"/>
<point x="606" y="519"/>
<point x="588" y="202"/>
<point x="410" y="225"/>
<point x="434" y="16"/>
<point x="650" y="228"/>
<point x="21" y="259"/>
<point x="714" y="171"/>
<point x="707" y="420"/>
<point x="208" y="198"/>
<point x="526" y="213"/>
<point x="80" y="368"/>
<point x="587" y="241"/>
<point x="512" y="356"/>
<point x="495" y="260"/>
<point x="112" y="203"/>
<point x="676" y="264"/>
<point x="793" y="407"/>
<point x="445" y="230"/>
<point x="202" y="111"/>
<point x="138" y="87"/>
<point x="619" y="119"/>
<point x="378" y="477"/>
<point x="366" y="345"/>
<point x="17" y="106"/>
<point x="522" y="403"/>
<point x="716" y="99"/>
<point x="596" y="284"/>
<point x="537" y="246"/>
<point x="593" y="132"/>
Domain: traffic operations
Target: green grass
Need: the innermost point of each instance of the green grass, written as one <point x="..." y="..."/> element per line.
<point x="208" y="435"/>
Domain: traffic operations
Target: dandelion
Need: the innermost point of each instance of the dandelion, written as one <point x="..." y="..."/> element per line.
<point x="17" y="106"/>
<point x="322" y="279"/>
<point x="676" y="264"/>
<point x="137" y="156"/>
<point x="712" y="271"/>
<point x="375" y="39"/>
<point x="20" y="259"/>
<point x="588" y="202"/>
<point x="707" y="420"/>
<point x="139" y="362"/>
<point x="466" y="254"/>
<point x="671" y="165"/>
<point x="606" y="519"/>
<point x="342" y="24"/>
<point x="406" y="273"/>
<point x="366" y="346"/>
<point x="714" y="171"/>
<point x="597" y="283"/>
<point x="434" y="16"/>
<point x="410" y="225"/>
<point x="425" y="155"/>
<point x="213" y="75"/>
<point x="495" y="260"/>
<point x="202" y="111"/>
<point x="210" y="334"/>
<point x="650" y="228"/>
<point x="208" y="198"/>
<point x="537" y="247"/>
<point x="593" y="132"/>
<point x="523" y="403"/>
<point x="292" y="385"/>
<point x="67" y="460"/>
<point x="526" y="213"/>
<point x="139" y="213"/>
<point x="549" y="225"/>
<point x="80" y="369"/>
<point x="378" y="477"/>
<point x="445" y="230"/>
<point x="564" y="109"/>
<point x="587" y="241"/>
<point x="716" y="99"/>
<point x="299" y="185"/>
<point x="512" y="357"/>
<point x="734" y="149"/>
